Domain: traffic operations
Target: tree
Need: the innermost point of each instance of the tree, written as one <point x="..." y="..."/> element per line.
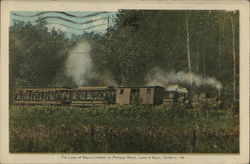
<point x="36" y="54"/>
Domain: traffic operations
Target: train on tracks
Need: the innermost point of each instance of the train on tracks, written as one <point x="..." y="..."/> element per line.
<point x="98" y="96"/>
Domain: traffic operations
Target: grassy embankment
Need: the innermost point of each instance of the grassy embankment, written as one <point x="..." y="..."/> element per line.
<point x="123" y="129"/>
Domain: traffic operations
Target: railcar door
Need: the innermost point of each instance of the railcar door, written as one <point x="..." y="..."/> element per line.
<point x="134" y="94"/>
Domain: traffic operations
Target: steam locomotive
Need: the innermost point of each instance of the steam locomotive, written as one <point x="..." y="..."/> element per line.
<point x="98" y="96"/>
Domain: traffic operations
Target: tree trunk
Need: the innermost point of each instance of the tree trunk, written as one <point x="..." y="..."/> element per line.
<point x="188" y="55"/>
<point x="234" y="62"/>
<point x="204" y="68"/>
<point x="122" y="76"/>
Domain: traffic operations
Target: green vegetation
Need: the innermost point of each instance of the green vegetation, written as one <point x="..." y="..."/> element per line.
<point x="126" y="129"/>
<point x="138" y="41"/>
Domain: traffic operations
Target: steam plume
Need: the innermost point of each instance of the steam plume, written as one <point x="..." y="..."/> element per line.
<point x="158" y="77"/>
<point x="79" y="67"/>
<point x="79" y="63"/>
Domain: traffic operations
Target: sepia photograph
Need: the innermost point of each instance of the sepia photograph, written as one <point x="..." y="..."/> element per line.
<point x="127" y="81"/>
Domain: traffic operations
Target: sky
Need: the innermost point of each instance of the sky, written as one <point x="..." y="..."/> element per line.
<point x="70" y="22"/>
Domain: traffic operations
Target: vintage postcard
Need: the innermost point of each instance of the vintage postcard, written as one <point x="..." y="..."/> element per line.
<point x="128" y="82"/>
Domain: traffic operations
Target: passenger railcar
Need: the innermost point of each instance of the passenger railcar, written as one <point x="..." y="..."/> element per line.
<point x="90" y="96"/>
<point x="42" y="96"/>
<point x="93" y="96"/>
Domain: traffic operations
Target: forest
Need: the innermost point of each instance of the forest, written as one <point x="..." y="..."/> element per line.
<point x="200" y="46"/>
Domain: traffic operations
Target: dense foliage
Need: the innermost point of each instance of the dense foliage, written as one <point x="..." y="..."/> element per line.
<point x="137" y="42"/>
<point x="142" y="40"/>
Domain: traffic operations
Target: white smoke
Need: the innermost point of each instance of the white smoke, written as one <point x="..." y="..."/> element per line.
<point x="79" y="67"/>
<point x="79" y="63"/>
<point x="158" y="77"/>
<point x="177" y="88"/>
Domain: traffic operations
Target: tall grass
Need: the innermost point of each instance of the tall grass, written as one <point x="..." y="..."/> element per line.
<point x="130" y="128"/>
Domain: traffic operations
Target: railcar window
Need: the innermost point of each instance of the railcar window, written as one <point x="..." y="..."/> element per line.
<point x="21" y="95"/>
<point x="74" y="96"/>
<point x="47" y="96"/>
<point x="40" y="96"/>
<point x="82" y="95"/>
<point x="95" y="95"/>
<point x="37" y="96"/>
<point x="17" y="96"/>
<point x="171" y="95"/>
<point x="92" y="93"/>
<point x="88" y="95"/>
<point x="24" y="96"/>
<point x="56" y="95"/>
<point x="101" y="95"/>
<point x="31" y="95"/>
<point x="52" y="96"/>
<point x="70" y="95"/>
<point x="78" y="95"/>
<point x="34" y="96"/>
<point x="44" y="96"/>
<point x="28" y="94"/>
<point x="66" y="95"/>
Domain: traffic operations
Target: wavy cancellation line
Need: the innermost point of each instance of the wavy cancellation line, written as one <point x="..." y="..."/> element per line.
<point x="61" y="12"/>
<point x="71" y="21"/>
<point x="87" y="28"/>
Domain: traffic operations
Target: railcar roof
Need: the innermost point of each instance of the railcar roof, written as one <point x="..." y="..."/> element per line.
<point x="37" y="89"/>
<point x="93" y="88"/>
<point x="84" y="88"/>
<point x="140" y="87"/>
